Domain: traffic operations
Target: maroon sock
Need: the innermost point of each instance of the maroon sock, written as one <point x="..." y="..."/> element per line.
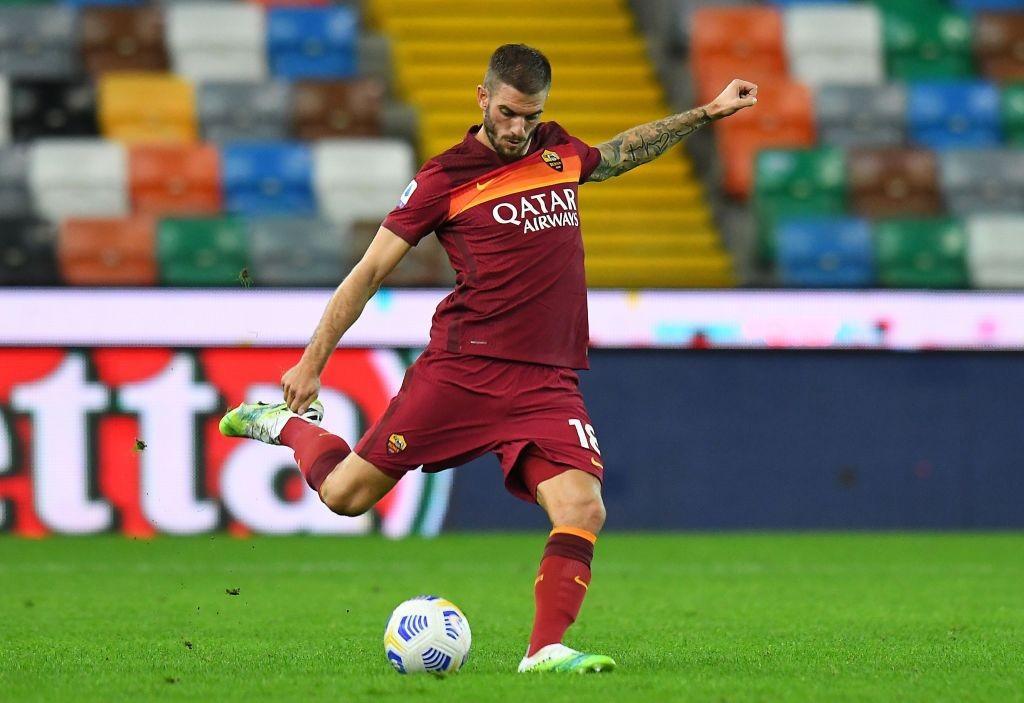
<point x="317" y="451"/>
<point x="561" y="584"/>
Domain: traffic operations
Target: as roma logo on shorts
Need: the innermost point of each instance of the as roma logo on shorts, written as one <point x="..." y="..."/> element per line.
<point x="396" y="443"/>
<point x="552" y="159"/>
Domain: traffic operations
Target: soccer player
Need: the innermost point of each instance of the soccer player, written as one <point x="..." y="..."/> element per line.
<point x="499" y="373"/>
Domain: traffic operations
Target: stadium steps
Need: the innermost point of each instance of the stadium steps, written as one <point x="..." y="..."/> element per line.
<point x="650" y="227"/>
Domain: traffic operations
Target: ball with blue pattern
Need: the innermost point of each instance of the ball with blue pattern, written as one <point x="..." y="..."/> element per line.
<point x="427" y="634"/>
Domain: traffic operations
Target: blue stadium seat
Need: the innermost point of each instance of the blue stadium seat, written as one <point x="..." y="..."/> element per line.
<point x="989" y="5"/>
<point x="313" y="42"/>
<point x="821" y="252"/>
<point x="268" y="178"/>
<point x="111" y="3"/>
<point x="945" y="115"/>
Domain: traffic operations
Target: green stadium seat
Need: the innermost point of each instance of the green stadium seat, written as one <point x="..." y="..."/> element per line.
<point x="923" y="42"/>
<point x="1013" y="113"/>
<point x="921" y="253"/>
<point x="796" y="182"/>
<point x="202" y="252"/>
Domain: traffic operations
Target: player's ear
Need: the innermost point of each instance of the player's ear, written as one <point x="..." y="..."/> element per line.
<point x="482" y="97"/>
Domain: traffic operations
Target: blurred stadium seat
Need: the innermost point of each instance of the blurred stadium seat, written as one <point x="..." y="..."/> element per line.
<point x="996" y="250"/>
<point x="38" y="41"/>
<point x="324" y="109"/>
<point x="979" y="181"/>
<point x="999" y="42"/>
<point x="28" y="252"/>
<point x="1013" y="114"/>
<point x="262" y="178"/>
<point x="926" y="41"/>
<point x="181" y="179"/>
<point x="356" y="178"/>
<point x="140" y="107"/>
<point x="15" y="197"/>
<point x="296" y="251"/>
<point x="78" y="178"/>
<point x="108" y="252"/>
<point x="202" y="251"/>
<point x="217" y="41"/>
<point x="850" y="52"/>
<point x="123" y="39"/>
<point x="921" y="253"/>
<point x="954" y="114"/>
<point x="893" y="182"/>
<point x="855" y="115"/>
<point x="5" y="110"/>
<point x="245" y="111"/>
<point x="826" y="252"/>
<point x="785" y="118"/>
<point x="800" y="182"/>
<point x="312" y="42"/>
<point x="52" y="108"/>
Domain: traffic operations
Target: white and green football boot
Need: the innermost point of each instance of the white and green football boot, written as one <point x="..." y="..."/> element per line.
<point x="264" y="422"/>
<point x="561" y="659"/>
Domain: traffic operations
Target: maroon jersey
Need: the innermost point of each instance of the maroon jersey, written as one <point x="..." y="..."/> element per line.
<point x="512" y="233"/>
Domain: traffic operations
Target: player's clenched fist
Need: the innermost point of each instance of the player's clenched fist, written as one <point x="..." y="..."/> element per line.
<point x="736" y="96"/>
<point x="301" y="385"/>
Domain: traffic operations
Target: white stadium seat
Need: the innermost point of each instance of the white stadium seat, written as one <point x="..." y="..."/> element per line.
<point x="78" y="178"/>
<point x="217" y="41"/>
<point x="5" y="110"/>
<point x="360" y="179"/>
<point x="835" y="44"/>
<point x="995" y="250"/>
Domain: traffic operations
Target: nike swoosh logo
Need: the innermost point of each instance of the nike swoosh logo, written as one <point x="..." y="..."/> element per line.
<point x="481" y="186"/>
<point x="596" y="463"/>
<point x="581" y="582"/>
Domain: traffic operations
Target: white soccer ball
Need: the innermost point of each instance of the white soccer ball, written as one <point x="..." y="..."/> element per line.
<point x="427" y="634"/>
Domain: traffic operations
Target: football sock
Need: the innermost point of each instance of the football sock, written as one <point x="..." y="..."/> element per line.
<point x="317" y="451"/>
<point x="561" y="585"/>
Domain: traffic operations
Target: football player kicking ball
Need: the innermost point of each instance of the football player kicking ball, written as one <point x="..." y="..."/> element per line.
<point x="499" y="372"/>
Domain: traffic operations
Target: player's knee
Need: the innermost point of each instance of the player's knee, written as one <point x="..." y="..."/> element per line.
<point x="594" y="516"/>
<point x="343" y="502"/>
<point x="586" y="512"/>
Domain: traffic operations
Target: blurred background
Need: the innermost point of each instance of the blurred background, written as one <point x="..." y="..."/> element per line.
<point x="808" y="317"/>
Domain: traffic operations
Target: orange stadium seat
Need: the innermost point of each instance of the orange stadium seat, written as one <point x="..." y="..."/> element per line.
<point x="716" y="73"/>
<point x="751" y="35"/>
<point x="784" y="117"/>
<point x="337" y="108"/>
<point x="894" y="182"/>
<point x="108" y="252"/>
<point x="180" y="179"/>
<point x="123" y="39"/>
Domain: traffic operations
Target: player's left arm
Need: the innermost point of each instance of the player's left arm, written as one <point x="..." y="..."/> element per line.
<point x="648" y="141"/>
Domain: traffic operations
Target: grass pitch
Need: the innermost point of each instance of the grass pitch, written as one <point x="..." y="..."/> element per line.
<point x="688" y="617"/>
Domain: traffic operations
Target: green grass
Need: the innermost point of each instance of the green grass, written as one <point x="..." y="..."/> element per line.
<point x="688" y="617"/>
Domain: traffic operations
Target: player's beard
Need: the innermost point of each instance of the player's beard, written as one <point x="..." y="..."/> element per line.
<point x="505" y="150"/>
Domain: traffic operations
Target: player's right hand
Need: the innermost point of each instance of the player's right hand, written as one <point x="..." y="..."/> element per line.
<point x="301" y="385"/>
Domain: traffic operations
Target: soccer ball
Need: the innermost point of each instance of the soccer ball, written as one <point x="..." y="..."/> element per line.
<point x="427" y="634"/>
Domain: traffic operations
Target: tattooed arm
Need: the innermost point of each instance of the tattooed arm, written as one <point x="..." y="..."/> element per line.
<point x="649" y="141"/>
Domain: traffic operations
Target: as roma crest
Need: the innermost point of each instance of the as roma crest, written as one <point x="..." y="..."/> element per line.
<point x="396" y="444"/>
<point x="552" y="159"/>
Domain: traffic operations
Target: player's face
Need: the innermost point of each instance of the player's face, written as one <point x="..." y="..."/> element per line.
<point x="510" y="118"/>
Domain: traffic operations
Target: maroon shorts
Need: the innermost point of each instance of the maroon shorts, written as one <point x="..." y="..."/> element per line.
<point x="453" y="408"/>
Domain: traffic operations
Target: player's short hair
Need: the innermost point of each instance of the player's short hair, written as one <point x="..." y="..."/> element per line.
<point x="520" y="66"/>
